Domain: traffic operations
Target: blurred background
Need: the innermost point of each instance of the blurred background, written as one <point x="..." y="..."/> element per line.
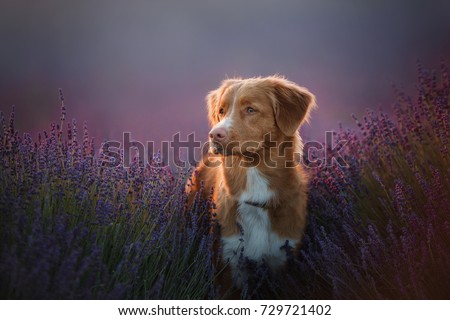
<point x="146" y="66"/>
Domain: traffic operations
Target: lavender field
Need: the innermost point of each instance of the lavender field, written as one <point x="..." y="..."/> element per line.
<point x="72" y="226"/>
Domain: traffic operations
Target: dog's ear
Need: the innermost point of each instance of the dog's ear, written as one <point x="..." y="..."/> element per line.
<point x="291" y="104"/>
<point x="213" y="100"/>
<point x="213" y="108"/>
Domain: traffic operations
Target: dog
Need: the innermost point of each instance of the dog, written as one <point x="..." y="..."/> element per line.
<point x="253" y="170"/>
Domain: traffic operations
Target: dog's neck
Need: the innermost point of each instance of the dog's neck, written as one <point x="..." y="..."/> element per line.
<point x="275" y="164"/>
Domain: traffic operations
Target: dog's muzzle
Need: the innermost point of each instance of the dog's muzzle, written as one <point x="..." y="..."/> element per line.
<point x="216" y="148"/>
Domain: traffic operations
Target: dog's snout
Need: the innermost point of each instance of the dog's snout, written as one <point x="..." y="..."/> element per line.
<point x="218" y="134"/>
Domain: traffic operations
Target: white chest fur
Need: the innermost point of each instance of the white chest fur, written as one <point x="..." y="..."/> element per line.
<point x="257" y="242"/>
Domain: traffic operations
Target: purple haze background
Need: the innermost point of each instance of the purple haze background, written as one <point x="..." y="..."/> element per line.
<point x="145" y="66"/>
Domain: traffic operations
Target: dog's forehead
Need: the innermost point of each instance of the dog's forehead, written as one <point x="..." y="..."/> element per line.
<point x="229" y="93"/>
<point x="247" y="89"/>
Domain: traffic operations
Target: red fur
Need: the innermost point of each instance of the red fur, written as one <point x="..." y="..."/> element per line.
<point x="255" y="107"/>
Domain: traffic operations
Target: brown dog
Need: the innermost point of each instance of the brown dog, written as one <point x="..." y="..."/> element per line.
<point x="254" y="170"/>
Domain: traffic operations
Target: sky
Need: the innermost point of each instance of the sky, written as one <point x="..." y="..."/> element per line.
<point x="145" y="67"/>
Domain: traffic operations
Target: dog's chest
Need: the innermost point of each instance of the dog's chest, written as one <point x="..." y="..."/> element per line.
<point x="257" y="240"/>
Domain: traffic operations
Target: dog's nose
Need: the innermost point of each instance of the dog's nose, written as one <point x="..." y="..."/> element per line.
<point x="218" y="134"/>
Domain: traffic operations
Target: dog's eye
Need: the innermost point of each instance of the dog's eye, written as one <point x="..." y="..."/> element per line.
<point x="250" y="110"/>
<point x="221" y="111"/>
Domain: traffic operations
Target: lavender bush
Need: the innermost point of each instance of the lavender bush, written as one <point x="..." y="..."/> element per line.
<point x="381" y="227"/>
<point x="74" y="226"/>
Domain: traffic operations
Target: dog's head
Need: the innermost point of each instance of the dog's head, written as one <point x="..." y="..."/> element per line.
<point x="242" y="112"/>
